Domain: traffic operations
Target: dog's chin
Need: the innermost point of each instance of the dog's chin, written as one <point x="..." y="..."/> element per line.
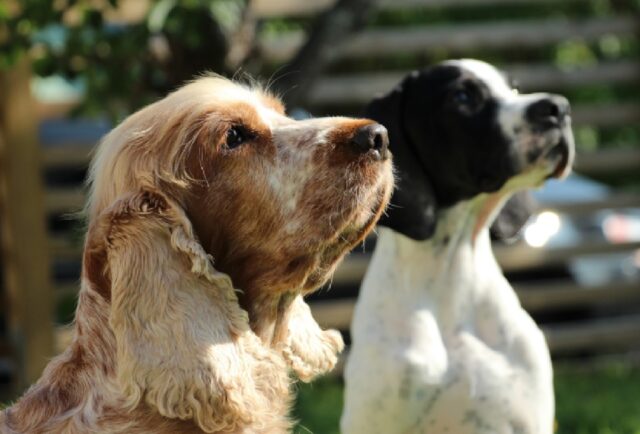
<point x="354" y="231"/>
<point x="364" y="210"/>
<point x="560" y="156"/>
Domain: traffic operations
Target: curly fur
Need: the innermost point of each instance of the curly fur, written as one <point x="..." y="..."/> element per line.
<point x="164" y="342"/>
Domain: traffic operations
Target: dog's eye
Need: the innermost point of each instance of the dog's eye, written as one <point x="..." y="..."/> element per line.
<point x="461" y="96"/>
<point x="236" y="136"/>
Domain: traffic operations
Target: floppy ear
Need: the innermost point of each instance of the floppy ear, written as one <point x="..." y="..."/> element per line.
<point x="412" y="209"/>
<point x="184" y="346"/>
<point x="308" y="350"/>
<point x="513" y="216"/>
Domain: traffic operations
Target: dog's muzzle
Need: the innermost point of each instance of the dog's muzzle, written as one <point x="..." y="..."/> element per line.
<point x="549" y="113"/>
<point x="564" y="154"/>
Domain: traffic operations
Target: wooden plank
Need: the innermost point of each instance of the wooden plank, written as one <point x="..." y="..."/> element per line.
<point x="127" y="12"/>
<point x="562" y="295"/>
<point x="412" y="4"/>
<point x="134" y="11"/>
<point x="288" y="8"/>
<point x="353" y="88"/>
<point x="52" y="110"/>
<point x="615" y="201"/>
<point x="608" y="160"/>
<point x="606" y="115"/>
<point x="300" y="8"/>
<point x="338" y="313"/>
<point x="521" y="257"/>
<point x="64" y="200"/>
<point x="333" y="314"/>
<point x="70" y="155"/>
<point x="65" y="247"/>
<point x="351" y="270"/>
<point x="67" y="289"/>
<point x="594" y="335"/>
<point x="458" y="37"/>
<point x="537" y="77"/>
<point x="361" y="88"/>
<point x="24" y="243"/>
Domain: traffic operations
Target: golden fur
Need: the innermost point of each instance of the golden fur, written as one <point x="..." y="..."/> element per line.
<point x="164" y="342"/>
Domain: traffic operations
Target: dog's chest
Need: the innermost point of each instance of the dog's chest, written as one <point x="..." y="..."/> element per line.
<point x="444" y="343"/>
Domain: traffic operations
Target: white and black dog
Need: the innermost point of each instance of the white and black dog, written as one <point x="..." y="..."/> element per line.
<point x="440" y="341"/>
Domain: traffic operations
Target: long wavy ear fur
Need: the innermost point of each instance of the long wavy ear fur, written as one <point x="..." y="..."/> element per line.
<point x="184" y="346"/>
<point x="412" y="210"/>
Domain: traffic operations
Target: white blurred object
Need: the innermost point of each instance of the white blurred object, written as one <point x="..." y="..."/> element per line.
<point x="550" y="230"/>
<point x="544" y="226"/>
<point x="621" y="228"/>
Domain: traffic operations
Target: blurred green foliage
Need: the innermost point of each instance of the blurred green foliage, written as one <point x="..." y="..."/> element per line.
<point x="18" y="29"/>
<point x="121" y="66"/>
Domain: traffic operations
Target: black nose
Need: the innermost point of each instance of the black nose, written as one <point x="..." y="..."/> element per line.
<point x="372" y="137"/>
<point x="549" y="111"/>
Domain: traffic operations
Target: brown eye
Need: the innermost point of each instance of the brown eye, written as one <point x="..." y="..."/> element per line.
<point x="236" y="136"/>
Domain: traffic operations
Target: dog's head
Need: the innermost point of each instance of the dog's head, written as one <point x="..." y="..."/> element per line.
<point x="459" y="129"/>
<point x="215" y="178"/>
<point x="275" y="202"/>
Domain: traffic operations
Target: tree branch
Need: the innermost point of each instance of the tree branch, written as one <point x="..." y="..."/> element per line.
<point x="329" y="31"/>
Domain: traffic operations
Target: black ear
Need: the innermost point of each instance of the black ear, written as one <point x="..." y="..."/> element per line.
<point x="513" y="216"/>
<point x="412" y="210"/>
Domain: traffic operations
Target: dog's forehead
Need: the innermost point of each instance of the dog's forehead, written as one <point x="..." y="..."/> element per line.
<point x="223" y="92"/>
<point x="494" y="79"/>
<point x="269" y="109"/>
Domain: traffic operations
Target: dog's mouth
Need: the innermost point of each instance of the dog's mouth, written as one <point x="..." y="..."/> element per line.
<point x="561" y="155"/>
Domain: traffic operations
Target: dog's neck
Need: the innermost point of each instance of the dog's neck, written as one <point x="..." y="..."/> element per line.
<point x="460" y="247"/>
<point x="463" y="223"/>
<point x="457" y="260"/>
<point x="444" y="275"/>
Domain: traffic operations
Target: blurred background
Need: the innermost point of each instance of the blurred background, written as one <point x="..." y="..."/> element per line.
<point x="71" y="69"/>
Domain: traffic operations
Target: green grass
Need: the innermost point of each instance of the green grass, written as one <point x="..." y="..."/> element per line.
<point x="606" y="401"/>
<point x="595" y="401"/>
<point x="318" y="407"/>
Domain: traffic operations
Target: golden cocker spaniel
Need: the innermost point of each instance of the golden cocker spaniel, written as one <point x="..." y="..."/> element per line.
<point x="210" y="214"/>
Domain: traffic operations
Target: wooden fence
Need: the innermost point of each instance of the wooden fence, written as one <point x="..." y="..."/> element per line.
<point x="27" y="299"/>
<point x="344" y="92"/>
